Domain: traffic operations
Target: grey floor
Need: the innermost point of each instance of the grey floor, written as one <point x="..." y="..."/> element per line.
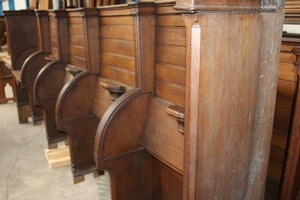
<point x="24" y="170"/>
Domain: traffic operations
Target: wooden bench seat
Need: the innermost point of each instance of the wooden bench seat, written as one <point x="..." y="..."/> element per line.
<point x="23" y="41"/>
<point x="124" y="38"/>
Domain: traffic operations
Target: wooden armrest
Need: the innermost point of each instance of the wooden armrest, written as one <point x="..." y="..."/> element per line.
<point x="114" y="90"/>
<point x="50" y="58"/>
<point x="73" y="70"/>
<point x="177" y="112"/>
<point x="296" y="51"/>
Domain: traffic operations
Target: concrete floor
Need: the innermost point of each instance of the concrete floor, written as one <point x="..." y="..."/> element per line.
<point x="24" y="170"/>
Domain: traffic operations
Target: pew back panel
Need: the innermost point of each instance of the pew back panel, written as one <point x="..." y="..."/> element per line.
<point x="170" y="54"/>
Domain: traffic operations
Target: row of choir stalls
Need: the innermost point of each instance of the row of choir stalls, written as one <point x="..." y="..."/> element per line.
<point x="284" y="169"/>
<point x="94" y="66"/>
<point x="63" y="4"/>
<point x="36" y="35"/>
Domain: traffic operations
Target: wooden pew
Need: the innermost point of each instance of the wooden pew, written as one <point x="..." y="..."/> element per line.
<point x="290" y="188"/>
<point x="125" y="52"/>
<point x="50" y="71"/>
<point x="215" y="142"/>
<point x="23" y="40"/>
<point x="286" y="92"/>
<point x="74" y="46"/>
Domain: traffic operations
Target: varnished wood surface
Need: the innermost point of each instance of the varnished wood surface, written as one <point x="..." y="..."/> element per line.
<point x="23" y="41"/>
<point x="286" y="92"/>
<point x="290" y="181"/>
<point x="161" y="136"/>
<point x="106" y="62"/>
<point x="215" y="116"/>
<point x="214" y="134"/>
<point x="170" y="42"/>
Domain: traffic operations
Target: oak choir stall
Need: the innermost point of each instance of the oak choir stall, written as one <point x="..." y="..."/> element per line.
<point x="176" y="100"/>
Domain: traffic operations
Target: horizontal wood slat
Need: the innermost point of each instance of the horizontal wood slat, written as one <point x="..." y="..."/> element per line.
<point x="75" y="29"/>
<point x="171" y="92"/>
<point x="117" y="46"/>
<point x="170" y="20"/>
<point x="274" y="170"/>
<point x="52" y="24"/>
<point x="286" y="89"/>
<point x="287" y="71"/>
<point x="54" y="43"/>
<point x="74" y="20"/>
<point x="171" y="36"/>
<point x="126" y="20"/>
<point x="279" y="139"/>
<point x="77" y="51"/>
<point x="287" y="57"/>
<point x="77" y="40"/>
<point x="53" y="35"/>
<point x="283" y="106"/>
<point x="54" y="50"/>
<point x="121" y="61"/>
<point x="170" y="54"/>
<point x="287" y="47"/>
<point x="277" y="154"/>
<point x="281" y="123"/>
<point x="170" y="73"/>
<point x="117" y="32"/>
<point x="77" y="61"/>
<point x="123" y="76"/>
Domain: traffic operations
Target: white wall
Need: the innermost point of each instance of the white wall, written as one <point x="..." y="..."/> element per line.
<point x="5" y="5"/>
<point x="291" y="28"/>
<point x="20" y="4"/>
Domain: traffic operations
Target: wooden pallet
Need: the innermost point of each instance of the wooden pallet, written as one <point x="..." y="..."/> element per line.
<point x="58" y="157"/>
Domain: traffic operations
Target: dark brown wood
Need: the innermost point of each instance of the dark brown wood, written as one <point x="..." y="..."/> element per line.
<point x="86" y="98"/>
<point x="283" y="116"/>
<point x="49" y="78"/>
<point x="229" y="99"/>
<point x="23" y="41"/>
<point x="291" y="174"/>
<point x="141" y="117"/>
<point x="211" y="136"/>
<point x="35" y="62"/>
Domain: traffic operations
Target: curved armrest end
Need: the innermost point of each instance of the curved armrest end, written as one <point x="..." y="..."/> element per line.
<point x="121" y="127"/>
<point x="75" y="98"/>
<point x="31" y="67"/>
<point x="49" y="81"/>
